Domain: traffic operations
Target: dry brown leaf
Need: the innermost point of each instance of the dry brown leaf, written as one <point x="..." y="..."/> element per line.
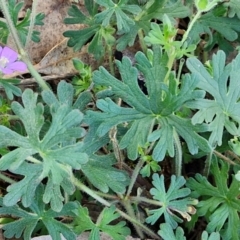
<point x="51" y="33"/>
<point x="59" y="59"/>
<point x="51" y="55"/>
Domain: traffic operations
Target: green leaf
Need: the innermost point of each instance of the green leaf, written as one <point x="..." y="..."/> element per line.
<point x="24" y="189"/>
<point x="219" y="200"/>
<point x="51" y="157"/>
<point x="128" y="38"/>
<point x="234" y="8"/>
<point x="76" y="16"/>
<point x="145" y="112"/>
<point x="103" y="176"/>
<point x="83" y="222"/>
<point x="227" y="27"/>
<point x="80" y="37"/>
<point x="167" y="233"/>
<point x="151" y="166"/>
<point x="155" y="11"/>
<point x="118" y="231"/>
<point x="22" y="25"/>
<point x="173" y="201"/>
<point x="201" y="4"/>
<point x="10" y="88"/>
<point x="96" y="34"/>
<point x="212" y="236"/>
<point x="27" y="219"/>
<point x="123" y="20"/>
<point x="174" y="10"/>
<point x="223" y="111"/>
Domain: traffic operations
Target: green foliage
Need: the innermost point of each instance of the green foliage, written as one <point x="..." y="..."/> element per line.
<point x="212" y="236"/>
<point x="4" y="117"/>
<point x="165" y="38"/>
<point x="158" y="107"/>
<point x="51" y="157"/>
<point x="10" y="88"/>
<point x="229" y="28"/>
<point x="28" y="218"/>
<point x="83" y="222"/>
<point x="219" y="202"/>
<point x="233" y="8"/>
<point x="103" y="175"/>
<point x="173" y="201"/>
<point x="75" y="143"/>
<point x="117" y="10"/>
<point x="205" y="5"/>
<point x="174" y="9"/>
<point x="21" y="26"/>
<point x="82" y="81"/>
<point x="126" y="19"/>
<point x="222" y="83"/>
<point x="99" y="35"/>
<point x="151" y="166"/>
<point x="234" y="144"/>
<point x="167" y="233"/>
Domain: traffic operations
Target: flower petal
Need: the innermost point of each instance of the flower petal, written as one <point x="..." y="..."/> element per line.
<point x="1" y="50"/>
<point x="10" y="54"/>
<point x="7" y="71"/>
<point x="13" y="67"/>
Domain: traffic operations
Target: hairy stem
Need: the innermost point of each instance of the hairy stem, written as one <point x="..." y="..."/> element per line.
<point x="32" y="21"/>
<point x="127" y="205"/>
<point x="141" y="41"/>
<point x="190" y="26"/>
<point x="171" y="59"/>
<point x="6" y="179"/>
<point x="207" y="166"/>
<point x="143" y="227"/>
<point x="90" y="192"/>
<point x="181" y="63"/>
<point x="33" y="71"/>
<point x="134" y="176"/>
<point x="33" y="160"/>
<point x="9" y="117"/>
<point x="94" y="195"/>
<point x="139" y="199"/>
<point x="12" y="29"/>
<point x="178" y="154"/>
<point x="110" y="58"/>
<point x="228" y="160"/>
<point x="23" y="54"/>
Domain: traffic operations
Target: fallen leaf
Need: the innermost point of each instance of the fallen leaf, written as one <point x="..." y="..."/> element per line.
<point x="59" y="59"/>
<point x="51" y="33"/>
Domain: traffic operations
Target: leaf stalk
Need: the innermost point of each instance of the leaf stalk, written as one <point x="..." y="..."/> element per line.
<point x="6" y="179"/>
<point x="22" y="52"/>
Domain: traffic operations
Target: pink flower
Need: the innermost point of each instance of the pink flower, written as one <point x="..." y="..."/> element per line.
<point x="9" y="62"/>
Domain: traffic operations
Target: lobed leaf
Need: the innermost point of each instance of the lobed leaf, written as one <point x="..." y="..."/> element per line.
<point x="27" y="219"/>
<point x="144" y="112"/>
<point x="227" y="27"/>
<point x="220" y="201"/>
<point x="167" y="233"/>
<point x="173" y="200"/>
<point x="223" y="111"/>
<point x="122" y="19"/>
<point x="14" y="8"/>
<point x="103" y="176"/>
<point x="53" y="157"/>
<point x="83" y="222"/>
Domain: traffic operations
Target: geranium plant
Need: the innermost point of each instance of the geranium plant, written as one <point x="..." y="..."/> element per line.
<point x="150" y="139"/>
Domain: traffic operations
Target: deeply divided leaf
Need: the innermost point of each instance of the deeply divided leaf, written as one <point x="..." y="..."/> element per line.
<point x="52" y="157"/>
<point x="145" y="111"/>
